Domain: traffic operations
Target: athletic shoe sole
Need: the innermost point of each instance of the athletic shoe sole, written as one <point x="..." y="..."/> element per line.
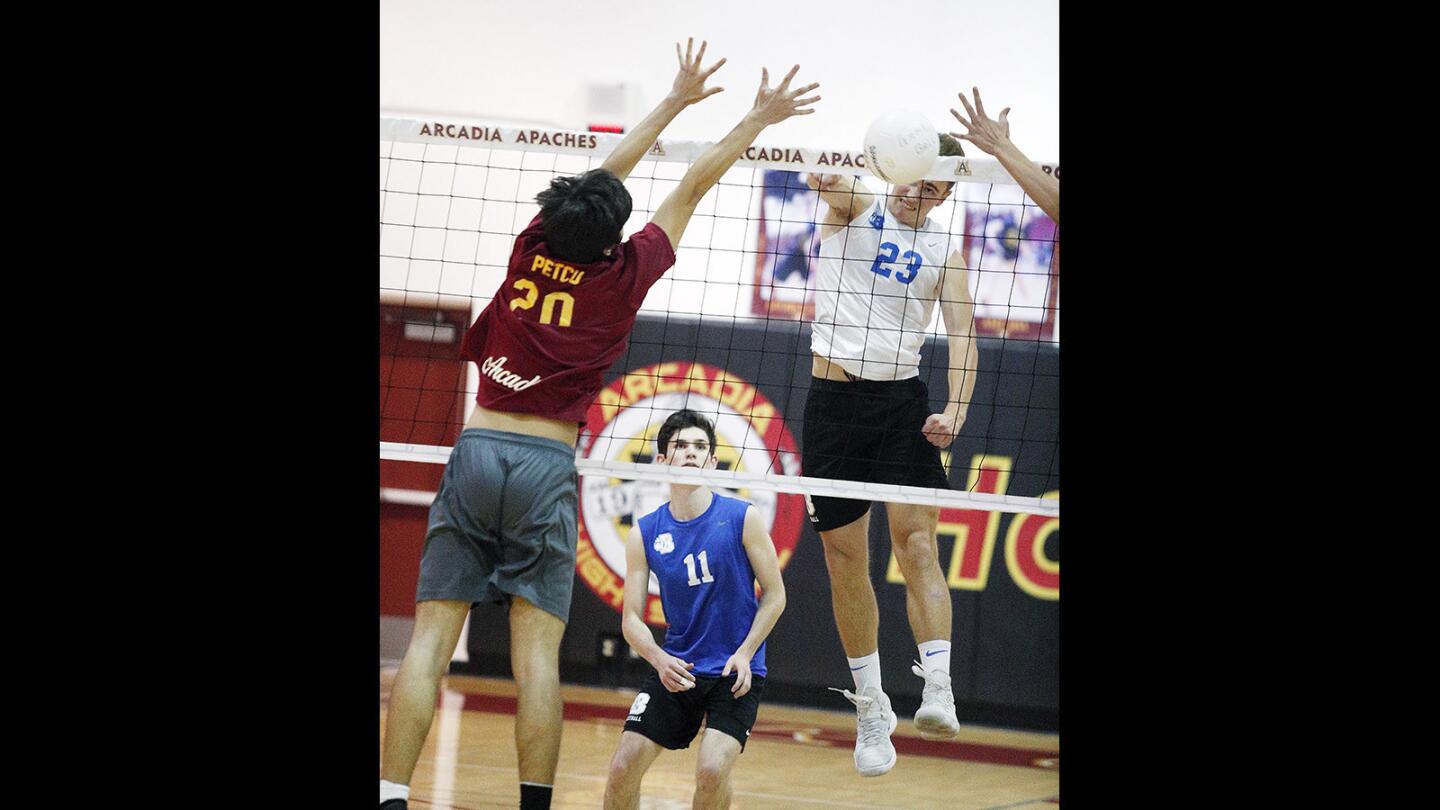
<point x="935" y="726"/>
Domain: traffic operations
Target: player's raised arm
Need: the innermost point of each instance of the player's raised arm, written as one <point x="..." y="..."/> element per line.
<point x="994" y="137"/>
<point x="760" y="549"/>
<point x="674" y="673"/>
<point x="846" y="197"/>
<point x="957" y="309"/>
<point x="689" y="88"/>
<point x="771" y="107"/>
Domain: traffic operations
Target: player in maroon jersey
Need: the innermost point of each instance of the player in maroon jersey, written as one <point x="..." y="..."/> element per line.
<point x="503" y="525"/>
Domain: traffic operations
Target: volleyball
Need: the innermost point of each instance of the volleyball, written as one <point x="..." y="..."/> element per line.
<point x="901" y="146"/>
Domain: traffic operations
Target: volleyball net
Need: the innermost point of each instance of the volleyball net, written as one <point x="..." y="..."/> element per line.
<point x="726" y="331"/>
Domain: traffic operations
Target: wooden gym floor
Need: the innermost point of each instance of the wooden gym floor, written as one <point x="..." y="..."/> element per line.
<point x="796" y="758"/>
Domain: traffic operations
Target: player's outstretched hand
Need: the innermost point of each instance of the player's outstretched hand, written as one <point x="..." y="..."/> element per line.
<point x="941" y="428"/>
<point x="985" y="133"/>
<point x="675" y="674"/>
<point x="774" y="106"/>
<point x="740" y="662"/>
<point x="689" y="87"/>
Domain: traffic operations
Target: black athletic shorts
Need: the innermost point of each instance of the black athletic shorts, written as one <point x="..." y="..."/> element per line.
<point x="866" y="431"/>
<point x="672" y="719"/>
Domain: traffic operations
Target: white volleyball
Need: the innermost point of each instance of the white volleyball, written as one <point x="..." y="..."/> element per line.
<point x="901" y="146"/>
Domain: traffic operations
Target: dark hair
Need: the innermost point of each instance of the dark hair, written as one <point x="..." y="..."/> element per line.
<point x="950" y="146"/>
<point x="583" y="214"/>
<point x="680" y="420"/>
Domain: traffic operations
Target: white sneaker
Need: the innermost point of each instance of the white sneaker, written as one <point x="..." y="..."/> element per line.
<point x="874" y="722"/>
<point x="935" y="720"/>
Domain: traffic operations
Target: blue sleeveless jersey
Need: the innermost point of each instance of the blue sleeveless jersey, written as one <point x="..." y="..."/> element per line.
<point x="707" y="586"/>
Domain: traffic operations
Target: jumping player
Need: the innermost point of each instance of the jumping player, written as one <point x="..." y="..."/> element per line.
<point x="707" y="551"/>
<point x="503" y="525"/>
<point x="884" y="264"/>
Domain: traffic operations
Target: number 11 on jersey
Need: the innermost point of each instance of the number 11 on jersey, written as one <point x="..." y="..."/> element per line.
<point x="704" y="569"/>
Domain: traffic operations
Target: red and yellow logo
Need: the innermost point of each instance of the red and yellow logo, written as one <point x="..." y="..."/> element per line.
<point x="622" y="424"/>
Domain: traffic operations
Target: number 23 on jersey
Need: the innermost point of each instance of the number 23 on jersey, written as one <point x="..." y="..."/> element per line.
<point x="889" y="252"/>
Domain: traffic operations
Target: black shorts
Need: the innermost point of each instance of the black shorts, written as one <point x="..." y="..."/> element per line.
<point x="672" y="719"/>
<point x="867" y="431"/>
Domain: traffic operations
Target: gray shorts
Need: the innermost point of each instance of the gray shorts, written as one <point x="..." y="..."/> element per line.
<point x="503" y="523"/>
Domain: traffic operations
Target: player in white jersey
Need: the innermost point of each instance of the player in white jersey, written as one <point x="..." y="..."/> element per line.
<point x="884" y="265"/>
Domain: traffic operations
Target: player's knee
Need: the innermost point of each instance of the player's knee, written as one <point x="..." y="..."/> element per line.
<point x="916" y="547"/>
<point x="534" y="668"/>
<point x="424" y="658"/>
<point x="619" y="773"/>
<point x="710" y="777"/>
<point x="623" y="767"/>
<point x="534" y="661"/>
<point x="843" y="557"/>
<point x="436" y="625"/>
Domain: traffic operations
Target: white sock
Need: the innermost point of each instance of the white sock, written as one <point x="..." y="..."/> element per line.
<point x="390" y="790"/>
<point x="865" y="671"/>
<point x="935" y="655"/>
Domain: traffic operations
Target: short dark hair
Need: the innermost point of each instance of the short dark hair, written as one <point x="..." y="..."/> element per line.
<point x="949" y="147"/>
<point x="678" y="421"/>
<point x="583" y="214"/>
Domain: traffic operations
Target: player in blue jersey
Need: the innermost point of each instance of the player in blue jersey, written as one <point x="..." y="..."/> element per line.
<point x="707" y="551"/>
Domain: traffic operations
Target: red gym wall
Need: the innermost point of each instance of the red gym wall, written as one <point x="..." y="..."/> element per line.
<point x="422" y="383"/>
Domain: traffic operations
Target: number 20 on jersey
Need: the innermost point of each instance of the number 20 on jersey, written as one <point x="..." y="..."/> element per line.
<point x="547" y="305"/>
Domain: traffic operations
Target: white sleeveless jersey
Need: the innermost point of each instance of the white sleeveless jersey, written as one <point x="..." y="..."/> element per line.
<point x="875" y="293"/>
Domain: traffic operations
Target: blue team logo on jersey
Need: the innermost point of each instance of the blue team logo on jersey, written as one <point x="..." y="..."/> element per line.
<point x="877" y="220"/>
<point x="665" y="543"/>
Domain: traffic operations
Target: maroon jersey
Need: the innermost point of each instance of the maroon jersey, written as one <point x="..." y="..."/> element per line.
<point x="554" y="326"/>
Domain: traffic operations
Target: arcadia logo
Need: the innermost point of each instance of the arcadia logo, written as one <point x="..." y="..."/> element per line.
<point x="750" y="435"/>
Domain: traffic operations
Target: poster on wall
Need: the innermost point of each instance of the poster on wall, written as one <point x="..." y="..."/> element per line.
<point x="1013" y="254"/>
<point x="788" y="247"/>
